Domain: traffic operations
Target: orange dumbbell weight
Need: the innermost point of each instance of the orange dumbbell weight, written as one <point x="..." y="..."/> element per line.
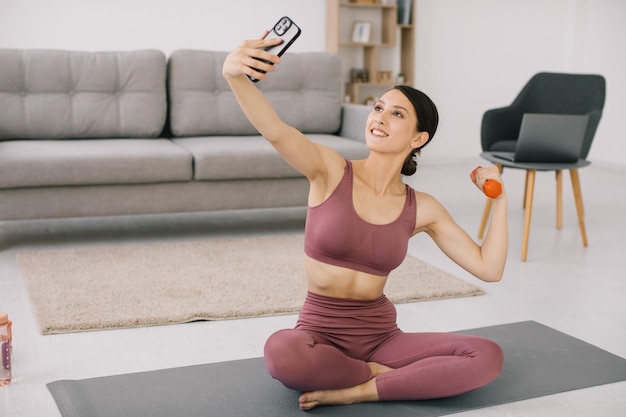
<point x="491" y="188"/>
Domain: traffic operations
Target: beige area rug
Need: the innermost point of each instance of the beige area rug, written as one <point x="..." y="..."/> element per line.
<point x="125" y="286"/>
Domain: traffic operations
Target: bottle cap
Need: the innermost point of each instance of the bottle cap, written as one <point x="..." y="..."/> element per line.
<point x="4" y="318"/>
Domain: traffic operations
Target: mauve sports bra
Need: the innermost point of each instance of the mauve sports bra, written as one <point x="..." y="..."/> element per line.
<point x="335" y="233"/>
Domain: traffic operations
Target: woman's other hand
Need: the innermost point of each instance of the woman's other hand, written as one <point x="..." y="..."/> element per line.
<point x="481" y="176"/>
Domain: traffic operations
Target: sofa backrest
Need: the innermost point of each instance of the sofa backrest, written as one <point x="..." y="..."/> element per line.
<point x="50" y="94"/>
<point x="305" y="90"/>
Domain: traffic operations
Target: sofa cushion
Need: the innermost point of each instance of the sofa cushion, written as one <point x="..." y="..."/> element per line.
<point x="247" y="157"/>
<point x="305" y="90"/>
<point x="48" y="94"/>
<point x="35" y="163"/>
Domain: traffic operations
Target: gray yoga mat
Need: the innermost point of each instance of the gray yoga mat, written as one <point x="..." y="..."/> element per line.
<point x="538" y="361"/>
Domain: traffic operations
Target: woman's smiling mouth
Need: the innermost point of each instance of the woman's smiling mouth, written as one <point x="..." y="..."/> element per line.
<point x="378" y="133"/>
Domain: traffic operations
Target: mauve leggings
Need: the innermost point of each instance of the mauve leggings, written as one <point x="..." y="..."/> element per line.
<point x="335" y="338"/>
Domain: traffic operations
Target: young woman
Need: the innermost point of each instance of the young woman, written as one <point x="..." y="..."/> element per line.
<point x="346" y="346"/>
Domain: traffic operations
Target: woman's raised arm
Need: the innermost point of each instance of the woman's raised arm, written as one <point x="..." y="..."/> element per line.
<point x="304" y="155"/>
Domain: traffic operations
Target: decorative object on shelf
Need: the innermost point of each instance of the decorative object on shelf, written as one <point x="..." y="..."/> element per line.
<point x="359" y="75"/>
<point x="369" y="101"/>
<point x="383" y="76"/>
<point x="387" y="39"/>
<point x="405" y="12"/>
<point x="361" y="32"/>
<point x="400" y="78"/>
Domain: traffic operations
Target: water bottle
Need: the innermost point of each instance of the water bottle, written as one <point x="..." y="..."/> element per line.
<point x="5" y="349"/>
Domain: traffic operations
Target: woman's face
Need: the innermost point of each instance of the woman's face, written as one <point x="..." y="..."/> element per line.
<point x="392" y="124"/>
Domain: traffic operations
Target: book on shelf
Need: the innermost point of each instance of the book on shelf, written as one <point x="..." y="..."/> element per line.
<point x="405" y="12"/>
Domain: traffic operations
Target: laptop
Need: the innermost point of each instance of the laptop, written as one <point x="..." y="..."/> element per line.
<point x="548" y="138"/>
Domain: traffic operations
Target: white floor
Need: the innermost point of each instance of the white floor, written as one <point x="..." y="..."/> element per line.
<point x="578" y="291"/>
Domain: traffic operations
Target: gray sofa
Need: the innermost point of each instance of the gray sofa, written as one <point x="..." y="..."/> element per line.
<point x="136" y="132"/>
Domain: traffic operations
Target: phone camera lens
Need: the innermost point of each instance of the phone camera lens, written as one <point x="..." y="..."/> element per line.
<point x="282" y="26"/>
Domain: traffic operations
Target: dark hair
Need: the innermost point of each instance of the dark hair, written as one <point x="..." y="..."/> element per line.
<point x="427" y="121"/>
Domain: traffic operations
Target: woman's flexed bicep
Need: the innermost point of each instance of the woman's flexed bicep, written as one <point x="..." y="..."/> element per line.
<point x="485" y="263"/>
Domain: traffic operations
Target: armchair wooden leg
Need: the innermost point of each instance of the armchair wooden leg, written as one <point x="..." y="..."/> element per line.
<point x="528" y="207"/>
<point x="486" y="211"/>
<point x="559" y="199"/>
<point x="579" y="204"/>
<point x="525" y="189"/>
<point x="483" y="221"/>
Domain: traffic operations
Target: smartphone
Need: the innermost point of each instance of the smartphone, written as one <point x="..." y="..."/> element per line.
<point x="288" y="31"/>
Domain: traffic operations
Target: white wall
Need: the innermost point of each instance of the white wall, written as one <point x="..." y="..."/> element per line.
<point x="163" y="24"/>
<point x="471" y="55"/>
<point x="475" y="55"/>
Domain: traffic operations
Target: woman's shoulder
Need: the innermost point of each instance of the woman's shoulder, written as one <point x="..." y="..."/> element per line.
<point x="429" y="210"/>
<point x="424" y="198"/>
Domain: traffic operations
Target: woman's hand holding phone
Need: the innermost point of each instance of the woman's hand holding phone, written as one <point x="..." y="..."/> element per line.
<point x="245" y="59"/>
<point x="256" y="58"/>
<point x="287" y="31"/>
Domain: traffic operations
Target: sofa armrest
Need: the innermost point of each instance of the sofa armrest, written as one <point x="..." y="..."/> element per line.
<point x="353" y="120"/>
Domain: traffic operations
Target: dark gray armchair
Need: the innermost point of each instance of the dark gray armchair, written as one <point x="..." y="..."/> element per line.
<point x="547" y="93"/>
<point x="551" y="93"/>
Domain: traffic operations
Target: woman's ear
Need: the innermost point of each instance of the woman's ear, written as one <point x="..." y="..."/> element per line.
<point x="420" y="140"/>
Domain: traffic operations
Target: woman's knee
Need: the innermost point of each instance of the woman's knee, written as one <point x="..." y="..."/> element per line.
<point x="285" y="355"/>
<point x="493" y="358"/>
<point x="287" y="342"/>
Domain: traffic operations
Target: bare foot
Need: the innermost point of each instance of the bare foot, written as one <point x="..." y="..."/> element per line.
<point x="378" y="369"/>
<point x="365" y="392"/>
<point x="360" y="393"/>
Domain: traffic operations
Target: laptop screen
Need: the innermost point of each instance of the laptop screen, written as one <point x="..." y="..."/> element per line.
<point x="551" y="137"/>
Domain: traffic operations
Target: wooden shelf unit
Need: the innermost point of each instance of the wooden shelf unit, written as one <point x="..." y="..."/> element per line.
<point x="387" y="37"/>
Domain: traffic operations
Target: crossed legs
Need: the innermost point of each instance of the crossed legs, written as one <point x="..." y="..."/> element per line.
<point x="408" y="366"/>
<point x="435" y="365"/>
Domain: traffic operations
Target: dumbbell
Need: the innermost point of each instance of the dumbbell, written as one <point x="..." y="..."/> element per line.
<point x="491" y="188"/>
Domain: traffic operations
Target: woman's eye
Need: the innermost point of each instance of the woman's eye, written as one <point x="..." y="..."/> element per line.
<point x="398" y="114"/>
